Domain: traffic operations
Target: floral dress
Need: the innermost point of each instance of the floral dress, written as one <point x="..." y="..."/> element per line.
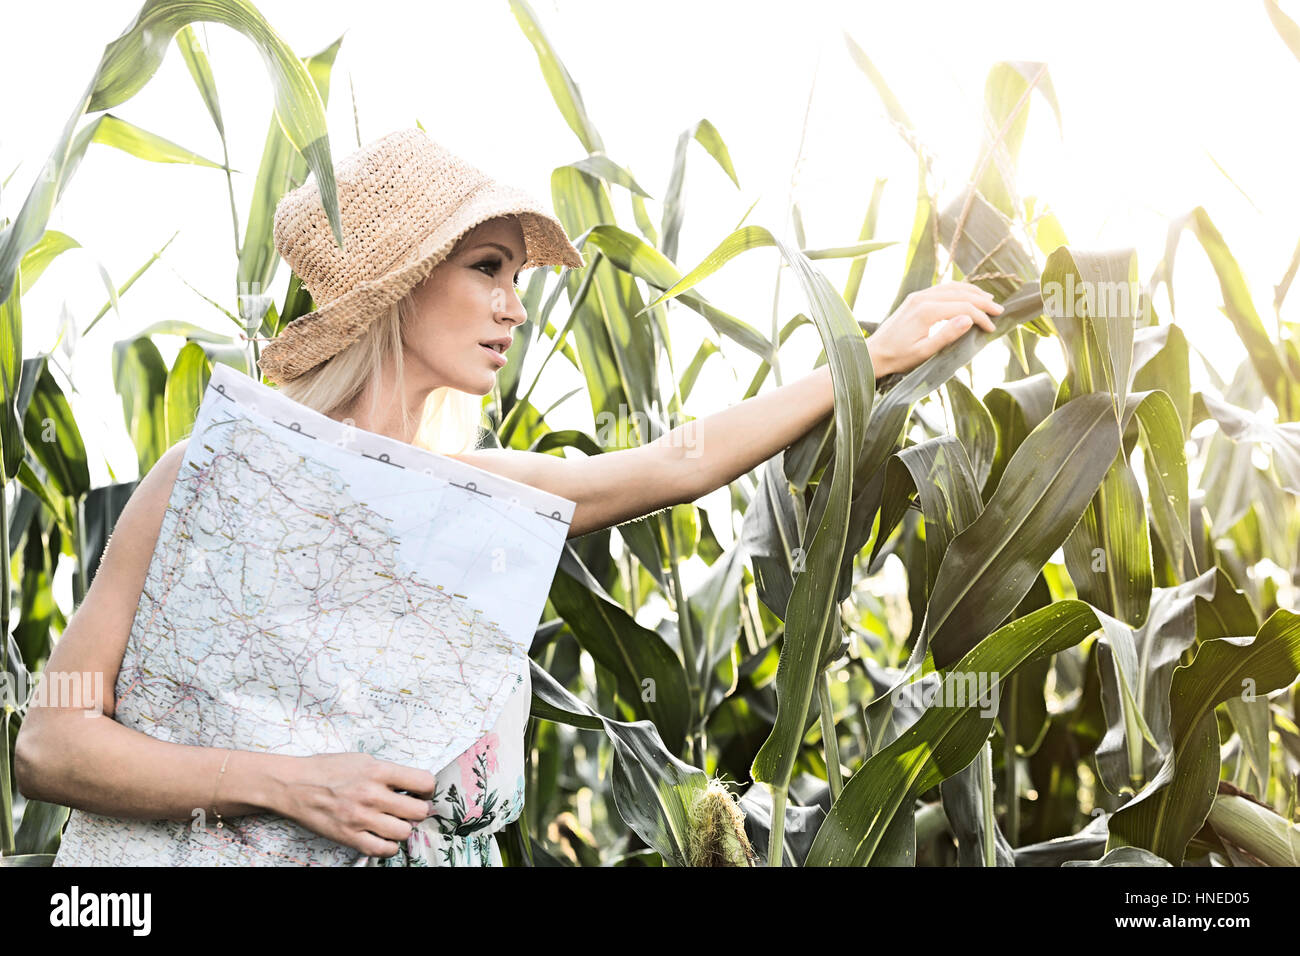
<point x="474" y="797"/>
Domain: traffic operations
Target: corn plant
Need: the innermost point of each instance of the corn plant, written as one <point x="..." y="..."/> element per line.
<point x="41" y="444"/>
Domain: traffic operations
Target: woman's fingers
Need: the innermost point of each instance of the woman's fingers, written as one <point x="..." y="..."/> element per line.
<point x="947" y="333"/>
<point x="934" y="311"/>
<point x="388" y="827"/>
<point x="968" y="287"/>
<point x="932" y="318"/>
<point x="404" y="807"/>
<point x="371" y="845"/>
<point x="397" y="776"/>
<point x="980" y="314"/>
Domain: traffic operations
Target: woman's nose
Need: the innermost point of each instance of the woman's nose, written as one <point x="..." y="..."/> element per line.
<point x="507" y="304"/>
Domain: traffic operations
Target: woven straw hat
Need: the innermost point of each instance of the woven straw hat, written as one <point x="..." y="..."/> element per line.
<point x="405" y="201"/>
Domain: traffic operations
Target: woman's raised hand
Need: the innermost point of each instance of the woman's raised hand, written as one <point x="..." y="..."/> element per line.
<point x="925" y="322"/>
<point x="352" y="798"/>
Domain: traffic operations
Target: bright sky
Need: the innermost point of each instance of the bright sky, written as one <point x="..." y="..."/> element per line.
<point x="1149" y="92"/>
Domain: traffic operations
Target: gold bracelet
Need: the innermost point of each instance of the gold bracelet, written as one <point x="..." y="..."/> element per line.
<point x="217" y="784"/>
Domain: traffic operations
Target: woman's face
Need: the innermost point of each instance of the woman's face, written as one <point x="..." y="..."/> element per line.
<point x="469" y="298"/>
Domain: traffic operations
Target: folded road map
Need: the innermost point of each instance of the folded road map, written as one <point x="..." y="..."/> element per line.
<point x="317" y="588"/>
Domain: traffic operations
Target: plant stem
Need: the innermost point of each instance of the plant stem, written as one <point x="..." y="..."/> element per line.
<point x="1133" y="738"/>
<point x="230" y="188"/>
<point x="79" y="529"/>
<point x="1009" y="766"/>
<point x="986" y="795"/>
<point x="776" y="832"/>
<point x="830" y="739"/>
<point x="6" y="776"/>
<point x="634" y="584"/>
<point x="687" y="633"/>
<point x="748" y="624"/>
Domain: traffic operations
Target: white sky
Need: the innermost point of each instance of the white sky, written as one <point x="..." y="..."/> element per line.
<point x="1147" y="91"/>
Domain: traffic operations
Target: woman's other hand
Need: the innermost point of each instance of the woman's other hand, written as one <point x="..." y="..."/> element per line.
<point x="352" y="798"/>
<point x="925" y="322"/>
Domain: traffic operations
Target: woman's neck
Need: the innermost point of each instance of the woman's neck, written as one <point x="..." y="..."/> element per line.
<point x="383" y="416"/>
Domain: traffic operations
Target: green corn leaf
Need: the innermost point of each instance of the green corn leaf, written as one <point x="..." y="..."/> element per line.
<point x="48" y="248"/>
<point x="1165" y="815"/>
<point x="612" y="334"/>
<point x="991" y="565"/>
<point x="940" y="474"/>
<point x="281" y="169"/>
<point x="128" y="64"/>
<point x="140" y="143"/>
<point x="652" y="788"/>
<point x="1239" y="307"/>
<point x="1006" y="99"/>
<point x="674" y="206"/>
<point x="140" y="377"/>
<point x="869" y="820"/>
<point x="635" y="654"/>
<point x="602" y="167"/>
<point x="53" y="437"/>
<point x="11" y="367"/>
<point x="186" y="384"/>
<point x="563" y="89"/>
<point x="638" y="258"/>
<point x="1108" y="554"/>
<point x="1136" y="666"/>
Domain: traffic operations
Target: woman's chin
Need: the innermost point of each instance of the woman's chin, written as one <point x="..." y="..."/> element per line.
<point x="479" y="387"/>
<point x="474" y="384"/>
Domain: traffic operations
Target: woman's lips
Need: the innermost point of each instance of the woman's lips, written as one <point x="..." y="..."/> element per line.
<point x="497" y="357"/>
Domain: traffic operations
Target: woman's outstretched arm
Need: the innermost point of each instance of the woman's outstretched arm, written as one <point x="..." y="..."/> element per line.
<point x="702" y="455"/>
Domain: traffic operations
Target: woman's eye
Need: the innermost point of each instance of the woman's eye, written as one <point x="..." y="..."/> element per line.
<point x="492" y="265"/>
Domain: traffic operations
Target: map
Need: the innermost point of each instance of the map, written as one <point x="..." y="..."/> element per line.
<point x="317" y="588"/>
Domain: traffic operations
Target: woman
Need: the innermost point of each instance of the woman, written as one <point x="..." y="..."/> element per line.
<point x="414" y="316"/>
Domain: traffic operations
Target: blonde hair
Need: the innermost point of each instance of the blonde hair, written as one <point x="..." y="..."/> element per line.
<point x="449" y="420"/>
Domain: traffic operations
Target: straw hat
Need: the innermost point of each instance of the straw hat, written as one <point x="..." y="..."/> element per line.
<point x="405" y="201"/>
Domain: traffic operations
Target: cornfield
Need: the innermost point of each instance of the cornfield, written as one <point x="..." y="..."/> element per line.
<point x="1092" y="661"/>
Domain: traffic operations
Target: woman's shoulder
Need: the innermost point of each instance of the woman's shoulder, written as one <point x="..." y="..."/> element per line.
<point x="135" y="533"/>
<point x="95" y="638"/>
<point x="157" y="482"/>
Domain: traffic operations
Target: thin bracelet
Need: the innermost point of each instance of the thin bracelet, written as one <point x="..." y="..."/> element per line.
<point x="217" y="784"/>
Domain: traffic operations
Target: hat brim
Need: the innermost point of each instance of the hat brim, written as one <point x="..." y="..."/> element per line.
<point x="318" y="336"/>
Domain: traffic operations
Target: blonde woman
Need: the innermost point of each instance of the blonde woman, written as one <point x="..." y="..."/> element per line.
<point x="414" y="317"/>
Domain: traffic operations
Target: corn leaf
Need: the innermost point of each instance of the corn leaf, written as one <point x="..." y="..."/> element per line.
<point x="186" y="384"/>
<point x="127" y="65"/>
<point x="652" y="788"/>
<point x="11" y="366"/>
<point x="674" y="205"/>
<point x="1165" y="815"/>
<point x="635" y="654"/>
<point x="281" y="169"/>
<point x="991" y="565"/>
<point x="866" y="821"/>
<point x="49" y="247"/>
<point x="563" y="89"/>
<point x="1239" y="307"/>
<point x="53" y="437"/>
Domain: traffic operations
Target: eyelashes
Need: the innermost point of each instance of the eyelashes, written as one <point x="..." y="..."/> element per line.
<point x="494" y="264"/>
